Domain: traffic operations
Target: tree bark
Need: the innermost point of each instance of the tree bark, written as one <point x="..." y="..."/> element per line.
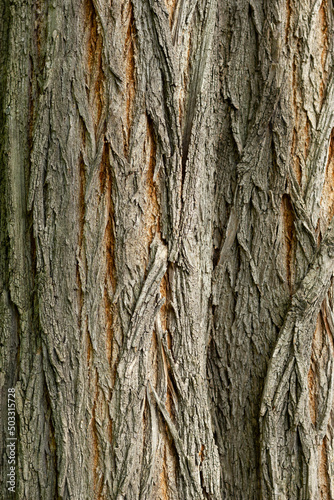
<point x="167" y="248"/>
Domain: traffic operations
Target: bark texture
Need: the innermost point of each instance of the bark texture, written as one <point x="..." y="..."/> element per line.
<point x="167" y="248"/>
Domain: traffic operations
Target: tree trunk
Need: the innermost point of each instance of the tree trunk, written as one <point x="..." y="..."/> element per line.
<point x="167" y="250"/>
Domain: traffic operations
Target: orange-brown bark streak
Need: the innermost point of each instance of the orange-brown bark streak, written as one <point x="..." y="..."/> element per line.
<point x="288" y="20"/>
<point x="171" y="6"/>
<point x="152" y="209"/>
<point x="296" y="159"/>
<point x="327" y="198"/>
<point x="289" y="238"/>
<point x="92" y="378"/>
<point x="201" y="453"/>
<point x="167" y="470"/>
<point x="323" y="470"/>
<point x="163" y="310"/>
<point x="318" y="363"/>
<point x="110" y="280"/>
<point x="95" y="87"/>
<point x="314" y="391"/>
<point x="165" y="467"/>
<point x="302" y="130"/>
<point x="324" y="489"/>
<point x="95" y="75"/>
<point x="109" y="242"/>
<point x="323" y="43"/>
<point x="130" y="86"/>
<point x="163" y="480"/>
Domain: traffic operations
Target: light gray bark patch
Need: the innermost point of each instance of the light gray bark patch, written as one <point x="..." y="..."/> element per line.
<point x="291" y="360"/>
<point x="129" y="394"/>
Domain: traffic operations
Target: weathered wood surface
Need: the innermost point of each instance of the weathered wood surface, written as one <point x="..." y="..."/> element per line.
<point x="166" y="251"/>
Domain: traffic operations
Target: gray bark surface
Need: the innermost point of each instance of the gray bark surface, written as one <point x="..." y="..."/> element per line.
<point x="166" y="248"/>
